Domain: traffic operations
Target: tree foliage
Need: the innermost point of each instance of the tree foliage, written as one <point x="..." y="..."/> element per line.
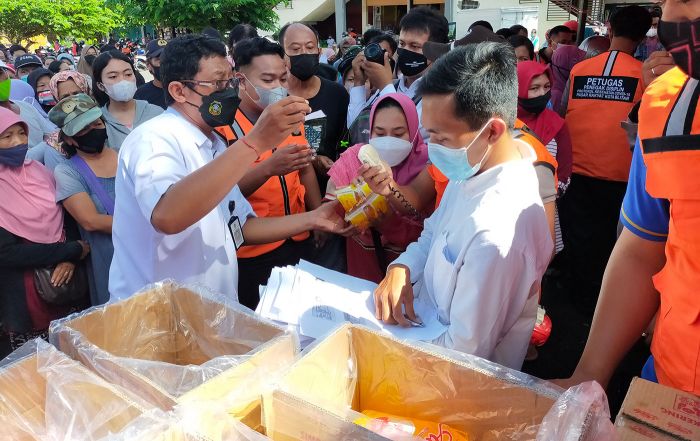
<point x="86" y="19"/>
<point x="197" y="14"/>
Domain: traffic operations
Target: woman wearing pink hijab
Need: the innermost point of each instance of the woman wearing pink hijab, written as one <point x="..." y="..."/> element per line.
<point x="395" y="136"/>
<point x="31" y="237"/>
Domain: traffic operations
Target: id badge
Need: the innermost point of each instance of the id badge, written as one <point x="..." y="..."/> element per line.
<point x="234" y="227"/>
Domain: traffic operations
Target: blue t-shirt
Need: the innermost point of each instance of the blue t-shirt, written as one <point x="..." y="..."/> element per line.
<point x="642" y="214"/>
<point x="70" y="182"/>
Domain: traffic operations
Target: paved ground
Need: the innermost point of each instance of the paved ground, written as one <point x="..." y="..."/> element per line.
<point x="570" y="327"/>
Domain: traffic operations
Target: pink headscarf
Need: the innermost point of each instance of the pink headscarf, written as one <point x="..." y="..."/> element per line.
<point x="28" y="208"/>
<point x="345" y="169"/>
<point x="80" y="80"/>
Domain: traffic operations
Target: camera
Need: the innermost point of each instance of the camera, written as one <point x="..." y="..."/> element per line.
<point x="375" y="53"/>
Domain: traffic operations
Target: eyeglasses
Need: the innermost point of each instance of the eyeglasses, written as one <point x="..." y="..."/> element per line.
<point x="216" y="84"/>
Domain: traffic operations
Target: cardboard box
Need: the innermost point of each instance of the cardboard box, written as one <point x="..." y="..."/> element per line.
<point x="356" y="369"/>
<point x="655" y="412"/>
<point x="173" y="345"/>
<point x="187" y="423"/>
<point x="46" y="395"/>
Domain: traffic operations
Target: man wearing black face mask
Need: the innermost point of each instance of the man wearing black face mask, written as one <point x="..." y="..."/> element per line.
<point x="179" y="212"/>
<point x="420" y="26"/>
<point x="153" y="90"/>
<point x="302" y="53"/>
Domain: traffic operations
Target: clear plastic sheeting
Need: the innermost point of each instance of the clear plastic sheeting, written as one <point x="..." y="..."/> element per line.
<point x="187" y="423"/>
<point x="580" y="413"/>
<point x="356" y="369"/>
<point x="44" y="395"/>
<point x="174" y="344"/>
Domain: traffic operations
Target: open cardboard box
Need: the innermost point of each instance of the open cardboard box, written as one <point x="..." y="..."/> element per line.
<point x="173" y="345"/>
<point x="357" y="369"/>
<point x="46" y="395"/>
<point x="655" y="412"/>
<point x="201" y="422"/>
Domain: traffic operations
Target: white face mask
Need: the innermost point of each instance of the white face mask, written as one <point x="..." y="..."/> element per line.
<point x="122" y="91"/>
<point x="651" y="33"/>
<point x="392" y="150"/>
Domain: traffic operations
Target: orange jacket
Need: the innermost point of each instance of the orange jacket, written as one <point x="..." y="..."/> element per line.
<point x="669" y="133"/>
<point x="520" y="131"/>
<point x="278" y="196"/>
<point x="602" y="91"/>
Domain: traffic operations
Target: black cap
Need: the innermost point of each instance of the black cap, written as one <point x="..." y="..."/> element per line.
<point x="155" y="47"/>
<point x="477" y="34"/>
<point x="27" y="60"/>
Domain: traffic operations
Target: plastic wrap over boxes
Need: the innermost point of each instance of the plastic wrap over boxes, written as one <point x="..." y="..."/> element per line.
<point x="356" y="369"/>
<point x="173" y="345"/>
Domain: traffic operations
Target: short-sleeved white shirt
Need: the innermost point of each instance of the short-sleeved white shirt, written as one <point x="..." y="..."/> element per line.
<point x="156" y="155"/>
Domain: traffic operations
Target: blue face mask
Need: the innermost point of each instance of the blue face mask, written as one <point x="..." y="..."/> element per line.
<point x="454" y="163"/>
<point x="24" y="78"/>
<point x="14" y="156"/>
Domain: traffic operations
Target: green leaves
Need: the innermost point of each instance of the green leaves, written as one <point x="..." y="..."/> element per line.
<point x="197" y="14"/>
<point x="23" y="19"/>
<point x="88" y="19"/>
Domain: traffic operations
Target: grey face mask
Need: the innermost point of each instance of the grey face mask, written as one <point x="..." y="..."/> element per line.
<point x="270" y="96"/>
<point x="267" y="97"/>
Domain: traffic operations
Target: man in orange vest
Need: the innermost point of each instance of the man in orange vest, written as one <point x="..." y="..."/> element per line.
<point x="602" y="92"/>
<point x="655" y="266"/>
<point x="281" y="182"/>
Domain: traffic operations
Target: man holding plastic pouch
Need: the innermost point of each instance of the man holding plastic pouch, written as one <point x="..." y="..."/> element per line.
<point x="179" y="213"/>
<point x="482" y="254"/>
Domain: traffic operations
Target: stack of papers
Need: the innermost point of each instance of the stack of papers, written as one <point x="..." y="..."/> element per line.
<point x="316" y="300"/>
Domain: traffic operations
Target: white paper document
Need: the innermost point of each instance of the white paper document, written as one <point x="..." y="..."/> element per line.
<point x="316" y="300"/>
<point x="315" y="115"/>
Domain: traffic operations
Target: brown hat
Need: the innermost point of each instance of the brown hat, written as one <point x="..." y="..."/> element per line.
<point x="477" y="34"/>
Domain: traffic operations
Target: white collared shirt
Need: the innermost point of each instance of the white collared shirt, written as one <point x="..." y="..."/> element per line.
<point x="480" y="259"/>
<point x="153" y="157"/>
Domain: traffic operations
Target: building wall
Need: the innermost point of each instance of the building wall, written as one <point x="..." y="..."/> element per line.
<point x="498" y="12"/>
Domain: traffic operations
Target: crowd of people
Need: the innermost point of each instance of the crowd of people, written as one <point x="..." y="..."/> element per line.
<point x="501" y="157"/>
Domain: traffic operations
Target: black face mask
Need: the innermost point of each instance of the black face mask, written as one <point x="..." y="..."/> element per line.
<point x="92" y="142"/>
<point x="89" y="59"/>
<point x="677" y="38"/>
<point x="304" y="66"/>
<point x="156" y="73"/>
<point x="535" y="105"/>
<point x="219" y="109"/>
<point x="411" y="63"/>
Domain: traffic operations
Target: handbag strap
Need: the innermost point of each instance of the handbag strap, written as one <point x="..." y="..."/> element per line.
<point x="379" y="251"/>
<point x="95" y="186"/>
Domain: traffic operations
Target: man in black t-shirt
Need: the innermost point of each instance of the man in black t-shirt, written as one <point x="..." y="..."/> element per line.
<point x="153" y="90"/>
<point x="325" y="134"/>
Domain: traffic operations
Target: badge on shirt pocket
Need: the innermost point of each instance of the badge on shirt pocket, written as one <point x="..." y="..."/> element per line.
<point x="234" y="226"/>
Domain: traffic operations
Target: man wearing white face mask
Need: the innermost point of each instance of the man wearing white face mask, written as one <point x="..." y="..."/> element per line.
<point x="482" y="254"/>
<point x="651" y="43"/>
<point x="281" y="182"/>
<point x="114" y="86"/>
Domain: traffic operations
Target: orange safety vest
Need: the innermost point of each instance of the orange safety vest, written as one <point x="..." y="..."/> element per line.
<point x="602" y="91"/>
<point x="278" y="196"/>
<point x="521" y="132"/>
<point x="669" y="133"/>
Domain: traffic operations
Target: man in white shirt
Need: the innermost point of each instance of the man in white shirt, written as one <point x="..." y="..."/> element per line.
<point x="179" y="213"/>
<point x="482" y="254"/>
<point x="419" y="26"/>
